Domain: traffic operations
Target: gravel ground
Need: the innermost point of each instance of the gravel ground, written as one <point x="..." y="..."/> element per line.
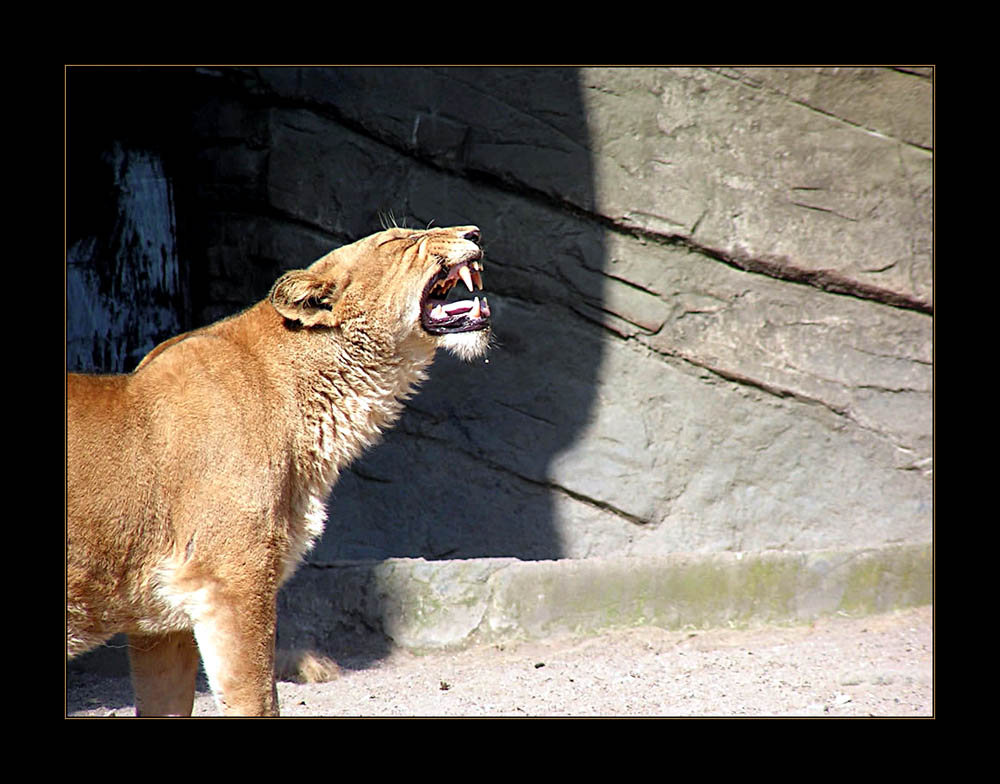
<point x="873" y="666"/>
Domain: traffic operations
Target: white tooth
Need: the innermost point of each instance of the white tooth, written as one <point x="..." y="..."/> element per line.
<point x="466" y="277"/>
<point x="439" y="312"/>
<point x="475" y="312"/>
<point x="478" y="280"/>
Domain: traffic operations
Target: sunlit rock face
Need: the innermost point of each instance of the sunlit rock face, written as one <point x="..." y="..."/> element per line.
<point x="711" y="291"/>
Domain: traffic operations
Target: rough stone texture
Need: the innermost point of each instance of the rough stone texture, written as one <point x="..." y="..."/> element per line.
<point x="741" y="166"/>
<point x="712" y="288"/>
<point x="423" y="605"/>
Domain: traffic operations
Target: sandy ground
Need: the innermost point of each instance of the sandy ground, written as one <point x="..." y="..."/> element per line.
<point x="873" y="666"/>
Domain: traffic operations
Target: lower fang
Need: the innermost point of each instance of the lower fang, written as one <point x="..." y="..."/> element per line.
<point x="476" y="312"/>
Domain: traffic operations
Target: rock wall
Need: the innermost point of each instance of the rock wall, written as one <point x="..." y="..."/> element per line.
<point x="124" y="286"/>
<point x="712" y="291"/>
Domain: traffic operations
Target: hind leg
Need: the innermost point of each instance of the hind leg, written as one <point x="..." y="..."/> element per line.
<point x="164" y="668"/>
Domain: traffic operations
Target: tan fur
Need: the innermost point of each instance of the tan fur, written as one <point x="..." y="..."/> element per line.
<point x="305" y="666"/>
<point x="196" y="484"/>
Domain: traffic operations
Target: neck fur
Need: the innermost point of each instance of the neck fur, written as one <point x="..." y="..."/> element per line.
<point x="345" y="402"/>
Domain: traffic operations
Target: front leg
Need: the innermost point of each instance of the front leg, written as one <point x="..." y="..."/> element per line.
<point x="236" y="641"/>
<point x="164" y="668"/>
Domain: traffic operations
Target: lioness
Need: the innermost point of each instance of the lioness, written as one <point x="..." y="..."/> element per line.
<point x="196" y="484"/>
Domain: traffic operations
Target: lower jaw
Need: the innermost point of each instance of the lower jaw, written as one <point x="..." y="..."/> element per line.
<point x="466" y="345"/>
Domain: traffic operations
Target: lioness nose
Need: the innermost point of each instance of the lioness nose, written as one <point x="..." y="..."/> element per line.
<point x="473" y="235"/>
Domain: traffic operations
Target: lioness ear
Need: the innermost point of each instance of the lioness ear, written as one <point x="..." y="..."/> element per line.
<point x="303" y="296"/>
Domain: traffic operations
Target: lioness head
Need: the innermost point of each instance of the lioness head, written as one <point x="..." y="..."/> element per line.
<point x="395" y="285"/>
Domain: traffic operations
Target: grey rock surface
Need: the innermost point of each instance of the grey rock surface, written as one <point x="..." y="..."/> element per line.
<point x="419" y="605"/>
<point x="779" y="168"/>
<point x="712" y="292"/>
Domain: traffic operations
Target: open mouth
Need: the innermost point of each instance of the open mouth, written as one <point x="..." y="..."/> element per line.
<point x="439" y="316"/>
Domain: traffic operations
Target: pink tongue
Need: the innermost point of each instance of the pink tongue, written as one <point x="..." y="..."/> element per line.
<point x="455" y="308"/>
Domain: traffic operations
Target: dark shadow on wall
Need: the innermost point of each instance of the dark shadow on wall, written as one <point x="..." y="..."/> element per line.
<point x="265" y="170"/>
<point x="126" y="289"/>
